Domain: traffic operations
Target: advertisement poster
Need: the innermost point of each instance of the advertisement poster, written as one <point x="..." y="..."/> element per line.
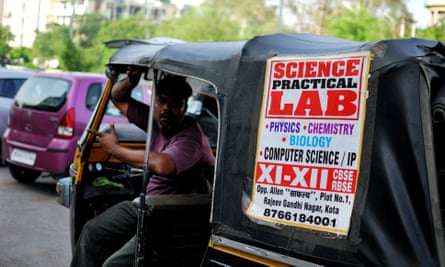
<point x="310" y="137"/>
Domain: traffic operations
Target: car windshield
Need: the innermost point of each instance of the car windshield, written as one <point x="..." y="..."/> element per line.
<point x="10" y="86"/>
<point x="43" y="93"/>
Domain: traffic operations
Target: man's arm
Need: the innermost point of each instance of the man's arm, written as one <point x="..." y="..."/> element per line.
<point x="121" y="92"/>
<point x="160" y="163"/>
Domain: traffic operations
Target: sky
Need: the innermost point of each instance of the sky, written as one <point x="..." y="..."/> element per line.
<point x="188" y="2"/>
<point x="420" y="13"/>
<point x="416" y="7"/>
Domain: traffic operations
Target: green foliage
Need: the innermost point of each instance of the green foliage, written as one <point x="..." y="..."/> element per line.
<point x="47" y="45"/>
<point x="21" y="56"/>
<point x="71" y="58"/>
<point x="130" y="28"/>
<point x="56" y="43"/>
<point x="436" y="32"/>
<point x="5" y="37"/>
<point x="251" y="16"/>
<point x="96" y="56"/>
<point x="89" y="26"/>
<point x="91" y="55"/>
<point x="204" y="24"/>
<point x="358" y="25"/>
<point x="233" y="20"/>
<point x="219" y="20"/>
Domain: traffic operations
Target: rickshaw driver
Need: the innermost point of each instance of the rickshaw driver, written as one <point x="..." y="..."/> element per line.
<point x="178" y="145"/>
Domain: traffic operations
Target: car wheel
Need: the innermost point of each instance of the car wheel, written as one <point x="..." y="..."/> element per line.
<point x="23" y="175"/>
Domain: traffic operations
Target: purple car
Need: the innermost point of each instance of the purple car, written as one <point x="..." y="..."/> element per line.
<point x="46" y="119"/>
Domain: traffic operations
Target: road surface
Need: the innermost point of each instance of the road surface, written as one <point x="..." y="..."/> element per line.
<point x="34" y="228"/>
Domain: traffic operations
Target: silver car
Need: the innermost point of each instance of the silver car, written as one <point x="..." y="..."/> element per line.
<point x="10" y="82"/>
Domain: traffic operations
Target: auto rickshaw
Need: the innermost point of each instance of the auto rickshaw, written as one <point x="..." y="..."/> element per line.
<point x="329" y="152"/>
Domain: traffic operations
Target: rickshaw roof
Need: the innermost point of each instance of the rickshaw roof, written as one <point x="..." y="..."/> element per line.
<point x="140" y="54"/>
<point x="214" y="60"/>
<point x="218" y="61"/>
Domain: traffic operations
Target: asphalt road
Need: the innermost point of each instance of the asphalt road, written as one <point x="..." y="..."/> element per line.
<point x="34" y="228"/>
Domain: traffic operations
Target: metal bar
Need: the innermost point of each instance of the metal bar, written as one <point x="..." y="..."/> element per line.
<point x="141" y="227"/>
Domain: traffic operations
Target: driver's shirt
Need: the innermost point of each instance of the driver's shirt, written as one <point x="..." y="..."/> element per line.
<point x="189" y="149"/>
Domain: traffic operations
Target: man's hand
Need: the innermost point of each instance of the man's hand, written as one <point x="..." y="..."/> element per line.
<point x="134" y="74"/>
<point x="110" y="145"/>
<point x="108" y="142"/>
<point x="121" y="91"/>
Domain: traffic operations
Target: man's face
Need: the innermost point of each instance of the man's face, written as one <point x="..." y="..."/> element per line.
<point x="168" y="111"/>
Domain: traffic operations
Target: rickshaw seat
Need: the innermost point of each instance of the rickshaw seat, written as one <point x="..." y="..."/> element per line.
<point x="177" y="229"/>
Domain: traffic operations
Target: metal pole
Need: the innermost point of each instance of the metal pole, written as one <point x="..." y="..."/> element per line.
<point x="72" y="18"/>
<point x="280" y="16"/>
<point x="38" y="17"/>
<point x="22" y="25"/>
<point x="141" y="227"/>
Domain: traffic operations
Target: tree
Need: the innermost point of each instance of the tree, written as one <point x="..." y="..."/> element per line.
<point x="318" y="14"/>
<point x="89" y="26"/>
<point x="191" y="27"/>
<point x="436" y="32"/>
<point x="22" y="56"/>
<point x="221" y="20"/>
<point x="98" y="54"/>
<point x="354" y="24"/>
<point x="47" y="44"/>
<point x="5" y="37"/>
<point x="56" y="43"/>
<point x="71" y="58"/>
<point x="225" y="20"/>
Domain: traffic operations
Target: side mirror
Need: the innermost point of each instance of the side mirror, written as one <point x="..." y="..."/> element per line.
<point x="64" y="190"/>
<point x="111" y="72"/>
<point x="194" y="107"/>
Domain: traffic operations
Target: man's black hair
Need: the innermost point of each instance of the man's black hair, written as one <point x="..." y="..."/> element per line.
<point x="175" y="85"/>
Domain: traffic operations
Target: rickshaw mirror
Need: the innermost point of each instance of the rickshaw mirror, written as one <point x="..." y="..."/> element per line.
<point x="111" y="72"/>
<point x="194" y="107"/>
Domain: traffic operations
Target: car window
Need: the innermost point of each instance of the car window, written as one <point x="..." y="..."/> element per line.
<point x="9" y="87"/>
<point x="43" y="93"/>
<point x="93" y="94"/>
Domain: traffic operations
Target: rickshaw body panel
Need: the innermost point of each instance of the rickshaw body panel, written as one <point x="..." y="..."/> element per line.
<point x="396" y="215"/>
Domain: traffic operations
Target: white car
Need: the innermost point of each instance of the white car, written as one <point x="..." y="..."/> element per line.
<point x="10" y="82"/>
